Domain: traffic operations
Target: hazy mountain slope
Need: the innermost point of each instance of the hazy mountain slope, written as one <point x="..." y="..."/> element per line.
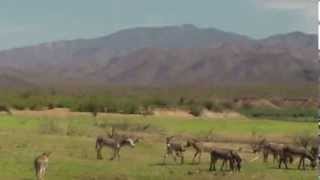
<point x="162" y="56"/>
<point x="11" y="82"/>
<point x="206" y="66"/>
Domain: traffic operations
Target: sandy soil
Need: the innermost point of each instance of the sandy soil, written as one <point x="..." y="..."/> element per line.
<point x="64" y="112"/>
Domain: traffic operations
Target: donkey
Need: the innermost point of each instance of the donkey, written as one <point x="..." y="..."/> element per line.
<point x="41" y="165"/>
<point x="236" y="160"/>
<point x="314" y="151"/>
<point x="174" y="148"/>
<point x="117" y="136"/>
<point x="199" y="148"/>
<point x="301" y="152"/>
<point x="5" y="109"/>
<point x="223" y="154"/>
<point x="114" y="143"/>
<point x="267" y="148"/>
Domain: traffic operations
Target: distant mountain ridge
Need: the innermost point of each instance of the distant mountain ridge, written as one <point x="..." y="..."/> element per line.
<point x="167" y="56"/>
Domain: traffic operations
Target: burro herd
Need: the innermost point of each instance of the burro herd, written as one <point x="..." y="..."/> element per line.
<point x="231" y="159"/>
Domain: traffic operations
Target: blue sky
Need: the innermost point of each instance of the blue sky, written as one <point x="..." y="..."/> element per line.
<point x="27" y="22"/>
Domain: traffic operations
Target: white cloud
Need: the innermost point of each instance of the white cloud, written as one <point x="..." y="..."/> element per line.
<point x="307" y="8"/>
<point x="287" y="4"/>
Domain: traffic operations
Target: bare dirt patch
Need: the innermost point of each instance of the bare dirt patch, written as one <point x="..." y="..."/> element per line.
<point x="57" y="112"/>
<point x="215" y="115"/>
<point x="172" y="112"/>
<point x="260" y="103"/>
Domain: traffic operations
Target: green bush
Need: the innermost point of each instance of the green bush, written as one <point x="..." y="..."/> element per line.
<point x="196" y="110"/>
<point x="131" y="109"/>
<point x="208" y="105"/>
<point x="213" y="106"/>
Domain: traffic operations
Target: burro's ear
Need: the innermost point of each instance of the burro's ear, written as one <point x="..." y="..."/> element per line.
<point x="48" y="153"/>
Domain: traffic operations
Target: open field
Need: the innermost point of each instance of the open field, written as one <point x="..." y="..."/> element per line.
<point x="71" y="139"/>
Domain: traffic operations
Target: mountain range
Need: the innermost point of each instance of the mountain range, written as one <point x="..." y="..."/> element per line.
<point x="162" y="57"/>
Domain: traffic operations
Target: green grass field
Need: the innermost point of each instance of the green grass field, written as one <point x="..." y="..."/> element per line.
<point x="71" y="139"/>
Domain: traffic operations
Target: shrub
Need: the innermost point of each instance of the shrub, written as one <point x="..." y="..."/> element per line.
<point x="160" y="103"/>
<point x="19" y="107"/>
<point x="213" y="106"/>
<point x="90" y="107"/>
<point x="181" y="101"/>
<point x="51" y="106"/>
<point x="35" y="107"/>
<point x="196" y="110"/>
<point x="228" y="105"/>
<point x="146" y="111"/>
<point x="208" y="105"/>
<point x="131" y="109"/>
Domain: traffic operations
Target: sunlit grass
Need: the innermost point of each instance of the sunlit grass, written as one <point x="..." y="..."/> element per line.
<point x="73" y="157"/>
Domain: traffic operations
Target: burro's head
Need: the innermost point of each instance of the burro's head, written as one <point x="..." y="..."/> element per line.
<point x="47" y="154"/>
<point x="128" y="142"/>
<point x="189" y="143"/>
<point x="257" y="145"/>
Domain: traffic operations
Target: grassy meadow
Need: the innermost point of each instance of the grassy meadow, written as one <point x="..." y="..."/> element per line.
<point x="71" y="139"/>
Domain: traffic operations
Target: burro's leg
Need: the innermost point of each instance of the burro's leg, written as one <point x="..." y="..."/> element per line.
<point x="194" y="157"/>
<point x="222" y="165"/>
<point x="118" y="154"/>
<point x="200" y="154"/>
<point x="180" y="155"/>
<point x="265" y="154"/>
<point x="232" y="162"/>
<point x="300" y="162"/>
<point x="165" y="157"/>
<point x="114" y="154"/>
<point x="275" y="157"/>
<point x="42" y="172"/>
<point x="166" y="154"/>
<point x="303" y="163"/>
<point x="99" y="154"/>
<point x="281" y="160"/>
<point x="213" y="164"/>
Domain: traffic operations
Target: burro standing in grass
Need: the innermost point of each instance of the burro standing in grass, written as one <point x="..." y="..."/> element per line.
<point x="300" y="152"/>
<point x="174" y="149"/>
<point x="226" y="155"/>
<point x="114" y="143"/>
<point x="41" y="165"/>
<point x="199" y="147"/>
<point x="268" y="148"/>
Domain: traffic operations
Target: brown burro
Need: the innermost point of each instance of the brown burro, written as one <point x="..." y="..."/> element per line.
<point x="299" y="152"/>
<point x="199" y="147"/>
<point x="268" y="148"/>
<point x="174" y="149"/>
<point x="41" y="165"/>
<point x="115" y="144"/>
<point x="225" y="155"/>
